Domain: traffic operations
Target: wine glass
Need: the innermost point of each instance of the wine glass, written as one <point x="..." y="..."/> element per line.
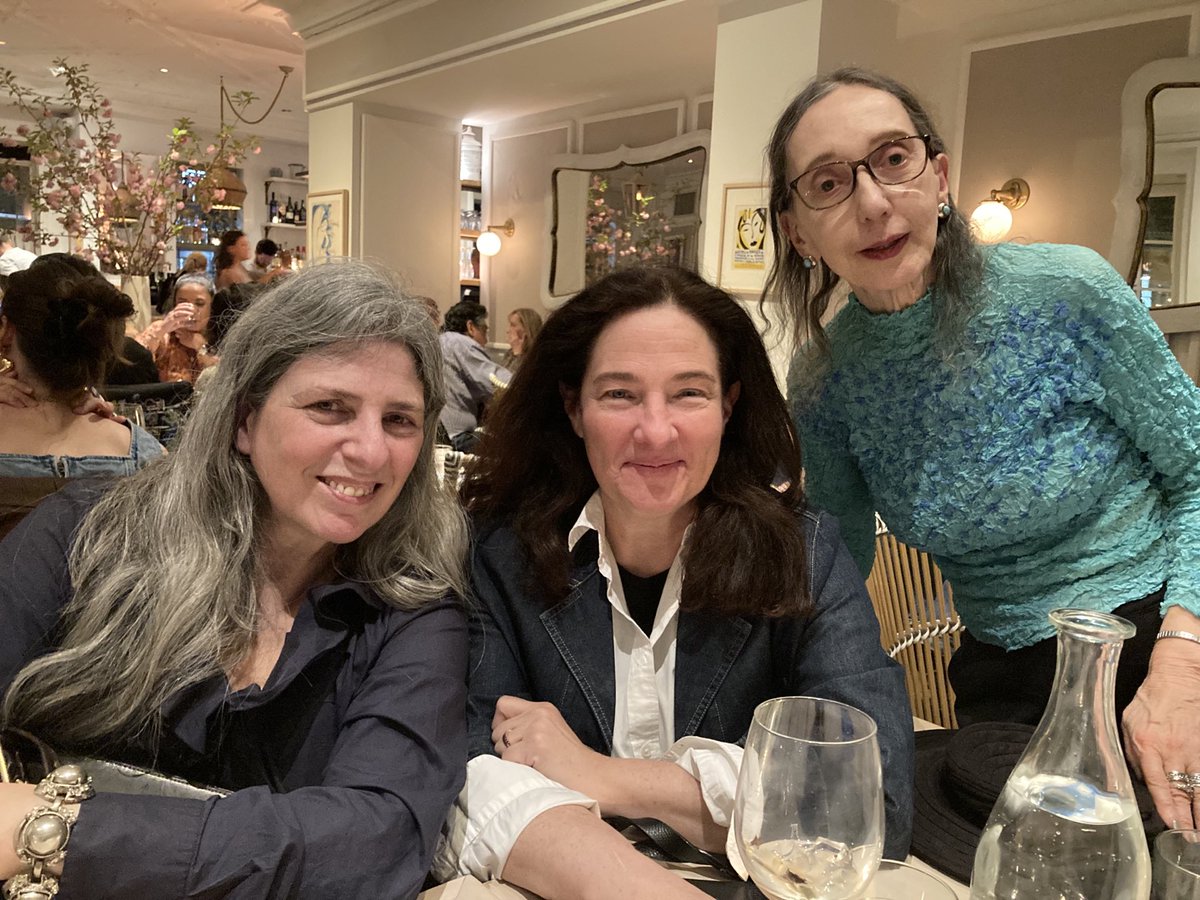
<point x="808" y="818"/>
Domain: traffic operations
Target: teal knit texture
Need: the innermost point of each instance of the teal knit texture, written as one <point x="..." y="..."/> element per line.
<point x="1054" y="461"/>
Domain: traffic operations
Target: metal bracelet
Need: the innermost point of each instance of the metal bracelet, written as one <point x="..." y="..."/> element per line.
<point x="1182" y="635"/>
<point x="42" y="838"/>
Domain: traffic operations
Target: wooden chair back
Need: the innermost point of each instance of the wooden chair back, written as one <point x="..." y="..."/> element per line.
<point x="918" y="625"/>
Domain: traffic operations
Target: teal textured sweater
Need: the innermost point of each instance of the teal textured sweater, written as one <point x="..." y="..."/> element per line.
<point x="1056" y="463"/>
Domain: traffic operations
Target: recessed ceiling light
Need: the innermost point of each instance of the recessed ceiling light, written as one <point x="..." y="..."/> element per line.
<point x="164" y="70"/>
<point x="689" y="162"/>
<point x="2" y="43"/>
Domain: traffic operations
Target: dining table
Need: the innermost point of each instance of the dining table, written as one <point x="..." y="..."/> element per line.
<point x="469" y="888"/>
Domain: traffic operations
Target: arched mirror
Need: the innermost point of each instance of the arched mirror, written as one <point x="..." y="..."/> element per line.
<point x="1166" y="269"/>
<point x="1157" y="230"/>
<point x="1158" y="227"/>
<point x="627" y="207"/>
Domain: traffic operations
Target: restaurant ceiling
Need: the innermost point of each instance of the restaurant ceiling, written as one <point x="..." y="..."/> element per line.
<point x="126" y="42"/>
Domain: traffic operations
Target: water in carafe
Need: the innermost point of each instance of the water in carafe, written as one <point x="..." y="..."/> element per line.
<point x="1066" y="826"/>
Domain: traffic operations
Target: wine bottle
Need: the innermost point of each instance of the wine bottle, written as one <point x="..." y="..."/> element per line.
<point x="274" y="209"/>
<point x="301" y="213"/>
<point x="289" y="215"/>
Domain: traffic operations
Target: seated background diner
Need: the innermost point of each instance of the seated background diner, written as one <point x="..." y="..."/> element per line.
<point x="640" y="587"/>
<point x="178" y="340"/>
<point x="469" y="372"/>
<point x="523" y="327"/>
<point x="273" y="610"/>
<point x="60" y="331"/>
<point x="1012" y="410"/>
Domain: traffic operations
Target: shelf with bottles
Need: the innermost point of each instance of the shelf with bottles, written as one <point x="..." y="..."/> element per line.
<point x="270" y="225"/>
<point x="289" y="213"/>
<point x="279" y="179"/>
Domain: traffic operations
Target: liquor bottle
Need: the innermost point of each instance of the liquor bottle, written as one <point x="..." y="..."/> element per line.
<point x="289" y="214"/>
<point x="274" y="209"/>
<point x="301" y="214"/>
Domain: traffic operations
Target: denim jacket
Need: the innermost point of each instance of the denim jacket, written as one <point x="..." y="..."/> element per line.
<point x="725" y="667"/>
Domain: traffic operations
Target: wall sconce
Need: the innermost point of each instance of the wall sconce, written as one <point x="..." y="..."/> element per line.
<point x="489" y="242"/>
<point x="992" y="219"/>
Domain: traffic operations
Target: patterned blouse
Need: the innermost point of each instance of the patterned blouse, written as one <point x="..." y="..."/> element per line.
<point x="175" y="361"/>
<point x="1057" y="463"/>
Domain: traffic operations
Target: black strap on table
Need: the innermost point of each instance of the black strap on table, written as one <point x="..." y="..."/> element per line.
<point x="665" y="843"/>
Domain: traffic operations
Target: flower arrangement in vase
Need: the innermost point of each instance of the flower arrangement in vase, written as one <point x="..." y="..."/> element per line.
<point x="116" y="207"/>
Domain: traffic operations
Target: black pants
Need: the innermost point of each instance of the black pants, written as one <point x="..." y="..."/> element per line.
<point x="992" y="684"/>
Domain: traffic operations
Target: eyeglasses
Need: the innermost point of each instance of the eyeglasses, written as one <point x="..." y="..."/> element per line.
<point x="892" y="162"/>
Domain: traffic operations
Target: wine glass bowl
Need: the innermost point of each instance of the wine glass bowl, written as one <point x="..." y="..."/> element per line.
<point x="808" y="818"/>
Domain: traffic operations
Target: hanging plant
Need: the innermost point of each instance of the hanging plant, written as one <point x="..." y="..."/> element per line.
<point x="119" y="207"/>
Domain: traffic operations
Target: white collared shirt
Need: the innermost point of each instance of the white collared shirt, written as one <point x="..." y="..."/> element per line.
<point x="500" y="798"/>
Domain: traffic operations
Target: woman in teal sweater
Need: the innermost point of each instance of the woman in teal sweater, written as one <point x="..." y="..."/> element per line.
<point x="1012" y="410"/>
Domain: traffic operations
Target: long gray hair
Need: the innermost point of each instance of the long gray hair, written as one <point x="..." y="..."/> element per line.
<point x="805" y="293"/>
<point x="165" y="567"/>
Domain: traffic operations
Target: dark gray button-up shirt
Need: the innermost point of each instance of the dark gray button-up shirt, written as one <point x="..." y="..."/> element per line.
<point x="343" y="764"/>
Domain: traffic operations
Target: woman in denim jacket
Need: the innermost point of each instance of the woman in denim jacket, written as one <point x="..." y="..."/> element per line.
<point x="641" y="586"/>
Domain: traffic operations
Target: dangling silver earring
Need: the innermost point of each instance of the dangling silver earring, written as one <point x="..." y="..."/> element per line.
<point x="944" y="210"/>
<point x="809" y="262"/>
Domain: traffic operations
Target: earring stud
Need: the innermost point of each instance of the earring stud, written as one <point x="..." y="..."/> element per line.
<point x="809" y="262"/>
<point x="944" y="210"/>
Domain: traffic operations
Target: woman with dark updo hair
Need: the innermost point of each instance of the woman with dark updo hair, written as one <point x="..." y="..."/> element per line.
<point x="60" y="331"/>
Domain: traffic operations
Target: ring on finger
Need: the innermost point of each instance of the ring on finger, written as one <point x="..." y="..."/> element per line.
<point x="504" y="739"/>
<point x="1181" y="781"/>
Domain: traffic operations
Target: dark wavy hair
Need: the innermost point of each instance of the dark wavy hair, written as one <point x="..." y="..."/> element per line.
<point x="805" y="293"/>
<point x="224" y="250"/>
<point x="461" y="313"/>
<point x="745" y="554"/>
<point x="69" y="323"/>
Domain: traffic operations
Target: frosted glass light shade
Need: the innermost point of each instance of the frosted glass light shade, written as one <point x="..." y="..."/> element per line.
<point x="991" y="221"/>
<point x="488" y="243"/>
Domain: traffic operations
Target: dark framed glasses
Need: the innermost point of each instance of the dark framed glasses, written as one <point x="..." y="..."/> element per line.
<point x="892" y="162"/>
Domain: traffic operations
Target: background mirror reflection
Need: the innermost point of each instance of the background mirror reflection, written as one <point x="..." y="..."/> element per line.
<point x="630" y="214"/>
<point x="1169" y="274"/>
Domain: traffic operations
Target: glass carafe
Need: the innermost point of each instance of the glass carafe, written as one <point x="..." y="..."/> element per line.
<point x="1066" y="825"/>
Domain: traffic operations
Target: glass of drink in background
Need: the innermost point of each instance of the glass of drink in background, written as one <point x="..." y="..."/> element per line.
<point x="1177" y="866"/>
<point x="808" y="818"/>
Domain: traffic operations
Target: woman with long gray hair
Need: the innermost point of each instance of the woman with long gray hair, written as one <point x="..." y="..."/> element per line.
<point x="1011" y="409"/>
<point x="272" y="610"/>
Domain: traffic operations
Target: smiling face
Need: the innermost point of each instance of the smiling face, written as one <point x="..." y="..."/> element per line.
<point x="651" y="412"/>
<point x="335" y="442"/>
<point x="196" y="295"/>
<point x="516" y="334"/>
<point x="881" y="239"/>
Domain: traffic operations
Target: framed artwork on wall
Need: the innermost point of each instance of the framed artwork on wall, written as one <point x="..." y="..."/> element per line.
<point x="327" y="232"/>
<point x="746" y="250"/>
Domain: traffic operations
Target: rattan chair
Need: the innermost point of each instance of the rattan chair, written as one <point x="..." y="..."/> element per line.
<point x="918" y="625"/>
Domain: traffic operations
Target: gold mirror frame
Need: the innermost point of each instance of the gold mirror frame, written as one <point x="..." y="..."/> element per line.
<point x="553" y="295"/>
<point x="1148" y="184"/>
<point x="1137" y="162"/>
